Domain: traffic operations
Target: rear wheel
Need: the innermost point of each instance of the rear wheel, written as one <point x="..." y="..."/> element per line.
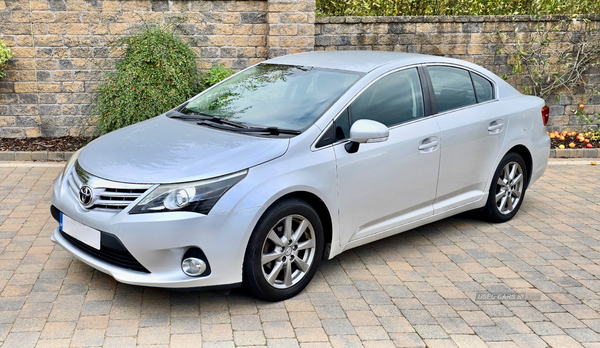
<point x="284" y="251"/>
<point x="507" y="189"/>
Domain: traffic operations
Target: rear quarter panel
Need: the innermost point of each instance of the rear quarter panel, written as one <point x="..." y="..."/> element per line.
<point x="526" y="128"/>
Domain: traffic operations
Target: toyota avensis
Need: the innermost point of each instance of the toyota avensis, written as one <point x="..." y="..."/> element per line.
<point x="295" y="159"/>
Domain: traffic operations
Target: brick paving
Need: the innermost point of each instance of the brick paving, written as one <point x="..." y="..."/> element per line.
<point x="416" y="289"/>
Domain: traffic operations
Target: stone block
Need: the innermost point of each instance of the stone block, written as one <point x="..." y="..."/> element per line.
<point x="160" y="6"/>
<point x="474" y="49"/>
<point x="67" y="17"/>
<point x="290" y="7"/>
<point x="562" y="153"/>
<point x="25" y="87"/>
<point x="293" y="18"/>
<point x="282" y="30"/>
<point x="591" y="153"/>
<point x="22" y="156"/>
<point x="42" y="17"/>
<point x="78" y="29"/>
<point x="56" y="156"/>
<point x="24" y="110"/>
<point x="257" y="41"/>
<point x="32" y="132"/>
<point x="139" y="5"/>
<point x="7" y="155"/>
<point x="39" y="156"/>
<point x="471" y="27"/>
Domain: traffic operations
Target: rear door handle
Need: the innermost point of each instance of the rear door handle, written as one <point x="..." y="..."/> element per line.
<point x="428" y="144"/>
<point x="496" y="126"/>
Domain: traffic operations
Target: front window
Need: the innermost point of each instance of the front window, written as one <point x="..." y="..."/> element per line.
<point x="283" y="96"/>
<point x="393" y="99"/>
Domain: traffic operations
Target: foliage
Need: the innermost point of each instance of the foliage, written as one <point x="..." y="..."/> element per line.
<point x="157" y="73"/>
<point x="549" y="68"/>
<point x="454" y="7"/>
<point x="589" y="119"/>
<point x="5" y="54"/>
<point x="215" y="75"/>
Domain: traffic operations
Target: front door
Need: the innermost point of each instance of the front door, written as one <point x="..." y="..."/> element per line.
<point x="388" y="184"/>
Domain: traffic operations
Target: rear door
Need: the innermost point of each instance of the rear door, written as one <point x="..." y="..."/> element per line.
<point x="472" y="126"/>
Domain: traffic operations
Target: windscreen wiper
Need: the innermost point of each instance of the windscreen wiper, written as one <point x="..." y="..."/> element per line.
<point x="203" y="118"/>
<point x="270" y="130"/>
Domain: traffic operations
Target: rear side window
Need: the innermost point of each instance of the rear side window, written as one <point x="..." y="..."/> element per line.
<point x="393" y="99"/>
<point x="452" y="87"/>
<point x="483" y="88"/>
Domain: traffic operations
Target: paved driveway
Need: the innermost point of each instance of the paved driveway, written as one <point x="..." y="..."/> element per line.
<point x="415" y="289"/>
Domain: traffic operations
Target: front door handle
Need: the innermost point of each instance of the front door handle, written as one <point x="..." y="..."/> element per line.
<point x="428" y="144"/>
<point x="496" y="127"/>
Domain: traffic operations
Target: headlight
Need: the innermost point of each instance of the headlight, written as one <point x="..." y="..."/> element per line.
<point x="70" y="163"/>
<point x="199" y="196"/>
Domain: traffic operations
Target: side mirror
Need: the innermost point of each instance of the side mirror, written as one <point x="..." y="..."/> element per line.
<point x="366" y="131"/>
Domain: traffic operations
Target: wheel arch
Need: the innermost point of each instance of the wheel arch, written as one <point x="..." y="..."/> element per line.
<point x="524" y="152"/>
<point x="321" y="209"/>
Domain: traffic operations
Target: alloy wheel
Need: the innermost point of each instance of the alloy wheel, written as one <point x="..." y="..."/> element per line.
<point x="509" y="188"/>
<point x="288" y="251"/>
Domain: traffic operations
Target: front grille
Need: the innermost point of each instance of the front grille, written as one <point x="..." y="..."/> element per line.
<point x="109" y="195"/>
<point x="111" y="251"/>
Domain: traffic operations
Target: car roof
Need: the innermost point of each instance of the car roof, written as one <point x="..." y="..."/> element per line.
<point x="360" y="61"/>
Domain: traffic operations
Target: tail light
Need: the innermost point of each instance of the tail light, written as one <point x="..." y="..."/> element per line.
<point x="545" y="114"/>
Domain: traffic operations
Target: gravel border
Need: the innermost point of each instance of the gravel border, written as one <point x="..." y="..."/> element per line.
<point x="43" y="156"/>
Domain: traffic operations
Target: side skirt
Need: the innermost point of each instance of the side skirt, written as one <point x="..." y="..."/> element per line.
<point x="335" y="250"/>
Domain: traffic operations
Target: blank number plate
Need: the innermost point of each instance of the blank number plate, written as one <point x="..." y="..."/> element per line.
<point x="80" y="231"/>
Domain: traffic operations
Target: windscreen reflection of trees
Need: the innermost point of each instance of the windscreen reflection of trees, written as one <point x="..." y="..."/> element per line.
<point x="220" y="101"/>
<point x="273" y="95"/>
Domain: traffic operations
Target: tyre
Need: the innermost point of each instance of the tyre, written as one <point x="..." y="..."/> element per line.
<point x="507" y="189"/>
<point x="284" y="251"/>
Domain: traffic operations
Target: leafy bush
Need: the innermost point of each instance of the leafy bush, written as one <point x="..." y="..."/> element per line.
<point x="454" y="7"/>
<point x="215" y="75"/>
<point x="5" y="54"/>
<point x="157" y="73"/>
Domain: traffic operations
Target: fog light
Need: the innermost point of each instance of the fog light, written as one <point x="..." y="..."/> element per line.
<point x="193" y="266"/>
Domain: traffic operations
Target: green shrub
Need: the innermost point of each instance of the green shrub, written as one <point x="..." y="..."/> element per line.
<point x="454" y="7"/>
<point x="215" y="75"/>
<point x="157" y="73"/>
<point x="5" y="54"/>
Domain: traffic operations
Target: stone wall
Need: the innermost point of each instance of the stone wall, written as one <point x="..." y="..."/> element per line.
<point x="484" y="40"/>
<point x="60" y="47"/>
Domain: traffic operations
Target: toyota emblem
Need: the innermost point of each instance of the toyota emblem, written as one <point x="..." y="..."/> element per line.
<point x="86" y="195"/>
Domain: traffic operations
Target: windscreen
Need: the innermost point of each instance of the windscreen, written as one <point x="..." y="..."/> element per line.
<point x="270" y="95"/>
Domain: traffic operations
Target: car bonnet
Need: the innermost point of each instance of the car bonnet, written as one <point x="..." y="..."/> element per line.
<point x="164" y="150"/>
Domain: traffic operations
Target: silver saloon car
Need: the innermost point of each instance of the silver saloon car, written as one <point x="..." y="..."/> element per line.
<point x="298" y="158"/>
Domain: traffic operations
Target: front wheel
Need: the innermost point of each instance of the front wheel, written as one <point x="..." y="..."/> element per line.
<point x="284" y="251"/>
<point x="507" y="189"/>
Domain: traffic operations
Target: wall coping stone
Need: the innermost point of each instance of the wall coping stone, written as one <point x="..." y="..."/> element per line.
<point x="448" y="19"/>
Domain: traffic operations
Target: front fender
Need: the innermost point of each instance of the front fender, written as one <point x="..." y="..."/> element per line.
<point x="312" y="172"/>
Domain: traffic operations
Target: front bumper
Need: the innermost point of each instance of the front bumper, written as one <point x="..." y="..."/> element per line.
<point x="158" y="241"/>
